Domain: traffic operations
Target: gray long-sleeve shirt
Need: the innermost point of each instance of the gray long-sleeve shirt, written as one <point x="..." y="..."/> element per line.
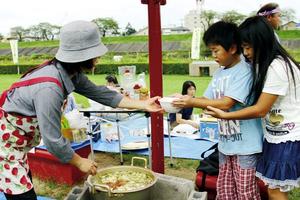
<point x="45" y="100"/>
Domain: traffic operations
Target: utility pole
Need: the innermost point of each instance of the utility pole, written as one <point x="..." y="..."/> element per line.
<point x="155" y="69"/>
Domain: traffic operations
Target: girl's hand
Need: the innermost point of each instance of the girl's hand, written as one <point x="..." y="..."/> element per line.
<point x="215" y="112"/>
<point x="182" y="102"/>
<point x="151" y="105"/>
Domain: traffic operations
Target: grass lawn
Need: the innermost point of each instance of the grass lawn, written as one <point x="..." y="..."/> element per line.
<point x="284" y="35"/>
<point x="183" y="167"/>
<point x="106" y="40"/>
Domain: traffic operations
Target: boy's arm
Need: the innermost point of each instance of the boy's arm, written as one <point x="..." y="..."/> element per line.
<point x="224" y="103"/>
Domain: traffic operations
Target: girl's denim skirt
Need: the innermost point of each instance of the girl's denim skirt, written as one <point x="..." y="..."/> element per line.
<point x="279" y="165"/>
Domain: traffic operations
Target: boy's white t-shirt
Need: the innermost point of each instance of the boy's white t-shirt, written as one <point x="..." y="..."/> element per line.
<point x="283" y="120"/>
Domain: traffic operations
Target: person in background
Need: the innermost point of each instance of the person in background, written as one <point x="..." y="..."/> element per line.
<point x="240" y="141"/>
<point x="31" y="108"/>
<point x="271" y="12"/>
<point x="276" y="89"/>
<point x="184" y="116"/>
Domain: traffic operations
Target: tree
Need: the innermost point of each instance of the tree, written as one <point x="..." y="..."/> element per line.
<point x="1" y="37"/>
<point x="287" y="15"/>
<point x="233" y="17"/>
<point x="47" y="31"/>
<point x="207" y="18"/>
<point x="106" y="25"/>
<point x="18" y="32"/>
<point x="129" y="30"/>
<point x="252" y="13"/>
<point x="34" y="32"/>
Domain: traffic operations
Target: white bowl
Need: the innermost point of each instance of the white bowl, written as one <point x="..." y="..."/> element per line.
<point x="166" y="104"/>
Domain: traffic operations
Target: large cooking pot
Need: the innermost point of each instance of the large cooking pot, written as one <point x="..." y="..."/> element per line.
<point x="104" y="192"/>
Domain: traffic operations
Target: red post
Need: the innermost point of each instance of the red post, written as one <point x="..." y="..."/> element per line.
<point x="155" y="69"/>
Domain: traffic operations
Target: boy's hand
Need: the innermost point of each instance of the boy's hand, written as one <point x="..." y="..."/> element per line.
<point x="184" y="101"/>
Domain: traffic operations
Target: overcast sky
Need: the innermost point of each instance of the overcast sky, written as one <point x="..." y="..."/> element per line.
<point x="31" y="12"/>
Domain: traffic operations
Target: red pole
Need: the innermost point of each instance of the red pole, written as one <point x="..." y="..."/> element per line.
<point x="155" y="65"/>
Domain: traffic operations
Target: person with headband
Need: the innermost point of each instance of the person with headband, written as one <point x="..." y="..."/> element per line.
<point x="271" y="12"/>
<point x="31" y="108"/>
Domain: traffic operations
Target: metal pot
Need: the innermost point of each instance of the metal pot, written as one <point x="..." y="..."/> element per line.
<point x="104" y="192"/>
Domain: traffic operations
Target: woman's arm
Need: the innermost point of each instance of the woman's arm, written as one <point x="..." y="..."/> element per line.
<point x="148" y="105"/>
<point x="260" y="109"/>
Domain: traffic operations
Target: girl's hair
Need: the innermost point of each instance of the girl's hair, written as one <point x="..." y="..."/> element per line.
<point x="71" y="68"/>
<point x="257" y="32"/>
<point x="186" y="85"/>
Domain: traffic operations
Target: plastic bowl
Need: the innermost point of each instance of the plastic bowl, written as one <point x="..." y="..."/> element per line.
<point x="166" y="104"/>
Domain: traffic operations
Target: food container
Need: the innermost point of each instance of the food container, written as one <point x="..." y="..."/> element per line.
<point x="107" y="192"/>
<point x="166" y="104"/>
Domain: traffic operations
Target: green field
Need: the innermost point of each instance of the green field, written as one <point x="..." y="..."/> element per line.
<point x="289" y="34"/>
<point x="284" y="35"/>
<point x="168" y="57"/>
<point x="106" y="40"/>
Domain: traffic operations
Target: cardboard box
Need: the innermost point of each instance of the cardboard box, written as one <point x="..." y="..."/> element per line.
<point x="209" y="129"/>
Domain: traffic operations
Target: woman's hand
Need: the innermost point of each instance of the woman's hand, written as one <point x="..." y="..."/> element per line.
<point x="215" y="112"/>
<point x="151" y="105"/>
<point x="184" y="101"/>
<point x="88" y="166"/>
<point x="83" y="164"/>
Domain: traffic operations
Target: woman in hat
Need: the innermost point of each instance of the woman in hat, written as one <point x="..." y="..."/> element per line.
<point x="31" y="108"/>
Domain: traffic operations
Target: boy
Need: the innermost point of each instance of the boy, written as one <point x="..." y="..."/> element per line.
<point x="240" y="141"/>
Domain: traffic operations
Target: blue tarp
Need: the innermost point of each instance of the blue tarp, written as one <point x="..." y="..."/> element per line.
<point x="181" y="147"/>
<point x="74" y="145"/>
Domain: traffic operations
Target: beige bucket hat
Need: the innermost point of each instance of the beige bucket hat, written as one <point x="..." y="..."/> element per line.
<point x="79" y="41"/>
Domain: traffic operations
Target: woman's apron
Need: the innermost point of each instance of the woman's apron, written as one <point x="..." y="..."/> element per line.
<point x="18" y="134"/>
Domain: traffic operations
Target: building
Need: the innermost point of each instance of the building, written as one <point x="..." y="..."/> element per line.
<point x="291" y="25"/>
<point x="192" y="20"/>
<point x="166" y="31"/>
<point x="143" y="31"/>
<point x="175" y="30"/>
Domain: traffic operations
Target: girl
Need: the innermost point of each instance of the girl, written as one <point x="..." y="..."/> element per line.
<point x="184" y="116"/>
<point x="275" y="89"/>
<point x="31" y="108"/>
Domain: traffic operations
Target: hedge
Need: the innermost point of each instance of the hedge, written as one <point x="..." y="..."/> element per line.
<point x="168" y="68"/>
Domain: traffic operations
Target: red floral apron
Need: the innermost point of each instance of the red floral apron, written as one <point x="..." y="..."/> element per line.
<point x="18" y="134"/>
